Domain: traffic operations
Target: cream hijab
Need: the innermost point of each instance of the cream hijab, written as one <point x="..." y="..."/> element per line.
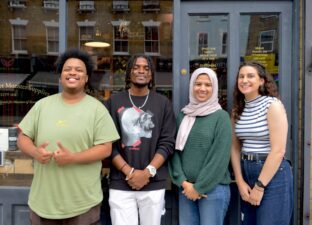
<point x="195" y="108"/>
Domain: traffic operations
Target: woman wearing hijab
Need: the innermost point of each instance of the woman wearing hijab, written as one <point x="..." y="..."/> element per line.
<point x="199" y="166"/>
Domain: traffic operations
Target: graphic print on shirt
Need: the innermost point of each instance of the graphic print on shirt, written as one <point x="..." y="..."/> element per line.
<point x="135" y="124"/>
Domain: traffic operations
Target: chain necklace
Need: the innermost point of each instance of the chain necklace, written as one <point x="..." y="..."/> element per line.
<point x="143" y="102"/>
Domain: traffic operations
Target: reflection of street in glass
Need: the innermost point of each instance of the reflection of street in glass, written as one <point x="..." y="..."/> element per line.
<point x="16" y="102"/>
<point x="7" y="166"/>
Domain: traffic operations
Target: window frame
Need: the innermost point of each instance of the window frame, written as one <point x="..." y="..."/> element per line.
<point x="22" y="39"/>
<point x="86" y="24"/>
<point x="200" y="45"/>
<point x="224" y="43"/>
<point x="118" y="25"/>
<point x="271" y="42"/>
<point x="55" y="39"/>
<point x="152" y="24"/>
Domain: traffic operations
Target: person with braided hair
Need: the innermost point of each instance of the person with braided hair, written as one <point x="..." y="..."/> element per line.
<point x="146" y="124"/>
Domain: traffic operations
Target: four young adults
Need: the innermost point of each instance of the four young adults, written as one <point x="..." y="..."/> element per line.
<point x="68" y="143"/>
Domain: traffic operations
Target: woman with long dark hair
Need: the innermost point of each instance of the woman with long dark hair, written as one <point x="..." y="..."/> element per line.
<point x="263" y="175"/>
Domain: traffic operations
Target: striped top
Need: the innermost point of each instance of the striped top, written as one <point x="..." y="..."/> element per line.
<point x="252" y="127"/>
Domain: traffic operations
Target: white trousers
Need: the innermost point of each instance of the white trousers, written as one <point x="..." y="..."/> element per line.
<point x="128" y="207"/>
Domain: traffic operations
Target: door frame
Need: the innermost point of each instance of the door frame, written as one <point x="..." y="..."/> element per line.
<point x="307" y="115"/>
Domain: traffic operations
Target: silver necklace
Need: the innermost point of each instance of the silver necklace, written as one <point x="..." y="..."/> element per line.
<point x="143" y="102"/>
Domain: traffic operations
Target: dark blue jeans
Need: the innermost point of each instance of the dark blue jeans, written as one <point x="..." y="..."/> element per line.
<point x="206" y="211"/>
<point x="277" y="204"/>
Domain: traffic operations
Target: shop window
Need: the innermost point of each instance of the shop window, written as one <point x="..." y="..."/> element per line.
<point x="224" y="44"/>
<point x="17" y="3"/>
<point x="19" y="37"/>
<point x="120" y="6"/>
<point x="51" y="4"/>
<point x="121" y="42"/>
<point x="267" y="40"/>
<point x="202" y="43"/>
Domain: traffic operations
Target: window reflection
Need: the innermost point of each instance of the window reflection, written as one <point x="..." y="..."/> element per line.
<point x="259" y="40"/>
<point x="208" y="48"/>
<point x="30" y="46"/>
<point x="267" y="40"/>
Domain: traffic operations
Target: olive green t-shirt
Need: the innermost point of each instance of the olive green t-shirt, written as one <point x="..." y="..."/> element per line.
<point x="59" y="192"/>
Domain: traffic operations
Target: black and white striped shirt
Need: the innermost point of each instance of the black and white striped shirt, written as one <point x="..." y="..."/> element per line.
<point x="252" y="127"/>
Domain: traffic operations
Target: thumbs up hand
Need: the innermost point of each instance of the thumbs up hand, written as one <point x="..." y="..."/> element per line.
<point x="62" y="155"/>
<point x="42" y="155"/>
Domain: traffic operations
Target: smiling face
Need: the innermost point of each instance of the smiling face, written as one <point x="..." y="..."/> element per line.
<point x="74" y="75"/>
<point x="141" y="73"/>
<point x="202" y="89"/>
<point x="249" y="81"/>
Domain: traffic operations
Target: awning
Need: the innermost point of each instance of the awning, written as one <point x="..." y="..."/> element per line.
<point x="44" y="79"/>
<point x="9" y="81"/>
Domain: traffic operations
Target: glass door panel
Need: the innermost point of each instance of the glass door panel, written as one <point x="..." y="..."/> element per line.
<point x="259" y="41"/>
<point x="208" y="47"/>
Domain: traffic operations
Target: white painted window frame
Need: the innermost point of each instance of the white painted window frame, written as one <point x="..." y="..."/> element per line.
<point x="152" y="23"/>
<point x="51" y="24"/>
<point x="117" y="24"/>
<point x="22" y="23"/>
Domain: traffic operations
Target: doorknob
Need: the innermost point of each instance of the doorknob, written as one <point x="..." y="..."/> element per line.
<point x="183" y="71"/>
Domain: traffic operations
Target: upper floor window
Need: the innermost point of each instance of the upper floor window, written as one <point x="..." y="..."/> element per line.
<point x="151" y="5"/>
<point x="19" y="37"/>
<point x="121" y="43"/>
<point x="86" y="6"/>
<point x="224" y="44"/>
<point x="51" y="4"/>
<point x="202" y="43"/>
<point x="17" y="3"/>
<point x="86" y="31"/>
<point x="151" y="37"/>
<point x="120" y="6"/>
<point x="267" y="40"/>
<point x="52" y="36"/>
